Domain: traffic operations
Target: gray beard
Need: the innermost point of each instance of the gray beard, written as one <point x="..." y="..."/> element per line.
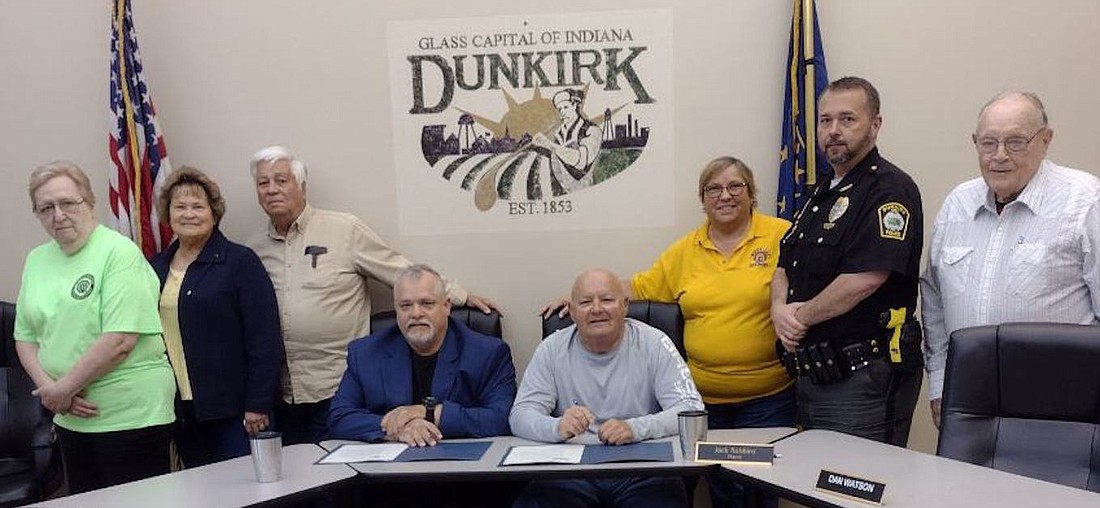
<point x="841" y="158"/>
<point x="421" y="339"/>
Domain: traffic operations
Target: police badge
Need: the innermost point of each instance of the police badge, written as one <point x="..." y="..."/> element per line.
<point x="838" y="208"/>
<point x="893" y="221"/>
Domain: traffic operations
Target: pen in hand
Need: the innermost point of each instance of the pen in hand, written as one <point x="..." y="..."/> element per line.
<point x="593" y="422"/>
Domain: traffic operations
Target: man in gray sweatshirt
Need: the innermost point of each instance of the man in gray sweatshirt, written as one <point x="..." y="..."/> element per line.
<point x="615" y="377"/>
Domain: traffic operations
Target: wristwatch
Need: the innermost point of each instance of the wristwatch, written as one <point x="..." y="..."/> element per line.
<point x="429" y="408"/>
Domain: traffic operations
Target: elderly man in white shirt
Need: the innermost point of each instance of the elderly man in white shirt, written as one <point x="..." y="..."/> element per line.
<point x="1021" y="243"/>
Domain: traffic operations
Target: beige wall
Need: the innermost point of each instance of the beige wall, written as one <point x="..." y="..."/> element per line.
<point x="231" y="76"/>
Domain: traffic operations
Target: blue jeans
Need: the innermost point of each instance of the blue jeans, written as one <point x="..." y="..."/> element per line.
<point x="659" y="492"/>
<point x="875" y="403"/>
<point x="777" y="410"/>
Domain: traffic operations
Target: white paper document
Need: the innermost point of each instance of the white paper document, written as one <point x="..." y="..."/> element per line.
<point x="375" y="452"/>
<point x="544" y="454"/>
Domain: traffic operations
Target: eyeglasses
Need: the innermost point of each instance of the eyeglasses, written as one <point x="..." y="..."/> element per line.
<point x="715" y="191"/>
<point x="1014" y="144"/>
<point x="67" y="206"/>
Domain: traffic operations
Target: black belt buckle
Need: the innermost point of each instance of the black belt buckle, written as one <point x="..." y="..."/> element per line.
<point x="860" y="354"/>
<point x="855" y="354"/>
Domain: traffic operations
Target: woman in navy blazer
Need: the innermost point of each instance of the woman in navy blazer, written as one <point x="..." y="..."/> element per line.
<point x="221" y="325"/>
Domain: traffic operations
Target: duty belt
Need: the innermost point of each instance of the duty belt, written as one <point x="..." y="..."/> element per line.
<point x="824" y="363"/>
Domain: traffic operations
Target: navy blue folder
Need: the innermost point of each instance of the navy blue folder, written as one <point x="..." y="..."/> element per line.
<point x="635" y="452"/>
<point x="445" y="451"/>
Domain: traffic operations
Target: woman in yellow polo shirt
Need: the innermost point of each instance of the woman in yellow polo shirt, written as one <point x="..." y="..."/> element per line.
<point x="721" y="274"/>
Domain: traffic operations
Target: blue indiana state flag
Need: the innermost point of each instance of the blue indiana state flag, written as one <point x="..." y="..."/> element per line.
<point x="798" y="171"/>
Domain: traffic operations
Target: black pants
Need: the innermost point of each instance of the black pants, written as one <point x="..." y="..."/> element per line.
<point x="876" y="403"/>
<point x="94" y="460"/>
<point x="302" y="423"/>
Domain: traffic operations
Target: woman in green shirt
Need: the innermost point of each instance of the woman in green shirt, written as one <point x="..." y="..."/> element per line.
<point x="88" y="332"/>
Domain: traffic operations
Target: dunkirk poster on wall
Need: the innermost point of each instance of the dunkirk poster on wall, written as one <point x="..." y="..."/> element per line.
<point x="533" y="123"/>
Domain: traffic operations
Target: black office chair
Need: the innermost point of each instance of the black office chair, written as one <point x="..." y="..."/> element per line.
<point x="472" y="317"/>
<point x="663" y="316"/>
<point x="1025" y="398"/>
<point x="30" y="458"/>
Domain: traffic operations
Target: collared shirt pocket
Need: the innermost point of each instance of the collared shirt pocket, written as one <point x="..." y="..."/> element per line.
<point x="1028" y="269"/>
<point x="323" y="275"/>
<point x="955" y="270"/>
<point x="825" y="246"/>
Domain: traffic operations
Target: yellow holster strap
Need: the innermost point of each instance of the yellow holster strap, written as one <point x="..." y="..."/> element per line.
<point x="897" y="318"/>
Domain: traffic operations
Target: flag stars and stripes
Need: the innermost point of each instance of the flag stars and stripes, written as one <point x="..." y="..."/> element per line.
<point x="138" y="157"/>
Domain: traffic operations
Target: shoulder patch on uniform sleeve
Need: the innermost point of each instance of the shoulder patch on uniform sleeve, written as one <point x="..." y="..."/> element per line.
<point x="893" y="221"/>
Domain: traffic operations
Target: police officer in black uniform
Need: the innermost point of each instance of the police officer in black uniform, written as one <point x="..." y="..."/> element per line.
<point x="844" y="295"/>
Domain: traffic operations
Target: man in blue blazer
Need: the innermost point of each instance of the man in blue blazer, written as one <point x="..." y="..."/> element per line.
<point x="427" y="379"/>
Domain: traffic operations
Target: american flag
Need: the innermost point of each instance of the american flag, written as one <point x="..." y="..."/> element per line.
<point x="139" y="159"/>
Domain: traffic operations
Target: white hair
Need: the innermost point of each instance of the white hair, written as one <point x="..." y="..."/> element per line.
<point x="276" y="153"/>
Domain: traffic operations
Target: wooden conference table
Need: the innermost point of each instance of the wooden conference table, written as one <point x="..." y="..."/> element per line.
<point x="913" y="479"/>
<point x="489" y="468"/>
<point x="230" y="483"/>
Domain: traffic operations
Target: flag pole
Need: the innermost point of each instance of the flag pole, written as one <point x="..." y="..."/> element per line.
<point x="128" y="107"/>
<point x="810" y="89"/>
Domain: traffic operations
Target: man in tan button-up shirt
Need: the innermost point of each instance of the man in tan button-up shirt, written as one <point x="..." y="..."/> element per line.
<point x="319" y="262"/>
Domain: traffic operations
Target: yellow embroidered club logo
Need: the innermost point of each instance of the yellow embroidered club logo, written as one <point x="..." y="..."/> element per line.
<point x="893" y="221"/>
<point x="760" y="257"/>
